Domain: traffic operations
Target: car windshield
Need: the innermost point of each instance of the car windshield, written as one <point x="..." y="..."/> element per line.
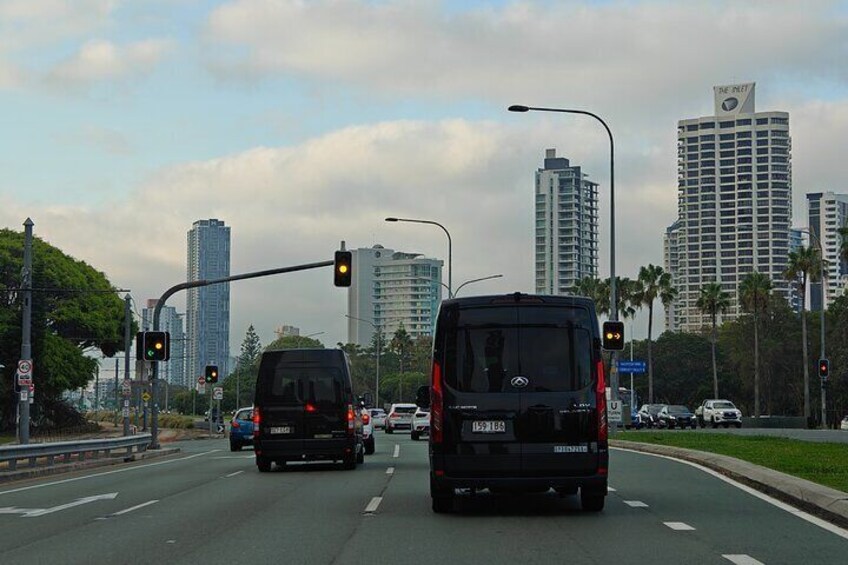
<point x="677" y="409"/>
<point x="654" y="409"/>
<point x="404" y="409"/>
<point x="723" y="405"/>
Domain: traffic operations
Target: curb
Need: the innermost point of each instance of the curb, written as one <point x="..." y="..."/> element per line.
<point x="61" y="468"/>
<point x="825" y="502"/>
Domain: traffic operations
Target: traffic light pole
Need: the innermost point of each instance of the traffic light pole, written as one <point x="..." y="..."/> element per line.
<point x="157" y="312"/>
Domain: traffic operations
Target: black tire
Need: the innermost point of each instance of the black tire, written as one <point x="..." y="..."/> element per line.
<point x="370" y="446"/>
<point x="592" y="500"/>
<point x="441" y="497"/>
<point x="388" y="430"/>
<point x="701" y="422"/>
<point x="714" y="423"/>
<point x="349" y="463"/>
<point x="414" y="435"/>
<point x="263" y="464"/>
<point x="726" y="425"/>
<point x="360" y="457"/>
<point x="235" y="446"/>
<point x="738" y="425"/>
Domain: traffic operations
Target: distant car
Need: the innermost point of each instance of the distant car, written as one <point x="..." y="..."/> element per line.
<point x="676" y="416"/>
<point x="368" y="431"/>
<point x="241" y="429"/>
<point x="718" y="412"/>
<point x="400" y="417"/>
<point x="844" y="424"/>
<point x="420" y="424"/>
<point x="378" y="418"/>
<point x="648" y="414"/>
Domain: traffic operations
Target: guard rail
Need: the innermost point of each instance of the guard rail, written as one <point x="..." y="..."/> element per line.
<point x="46" y="453"/>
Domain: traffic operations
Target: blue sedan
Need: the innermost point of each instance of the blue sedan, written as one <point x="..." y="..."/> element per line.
<point x="241" y="429"/>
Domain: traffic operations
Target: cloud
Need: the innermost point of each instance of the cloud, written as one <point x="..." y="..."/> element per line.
<point x="99" y="60"/>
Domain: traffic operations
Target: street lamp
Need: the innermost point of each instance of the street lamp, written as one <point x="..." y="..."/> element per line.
<point x="450" y="267"/>
<point x="316" y="333"/>
<point x="474" y="281"/>
<point x="822" y="356"/>
<point x="377" y="383"/>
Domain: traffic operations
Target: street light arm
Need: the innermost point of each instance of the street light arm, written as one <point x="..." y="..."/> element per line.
<point x="450" y="244"/>
<point x="474" y="281"/>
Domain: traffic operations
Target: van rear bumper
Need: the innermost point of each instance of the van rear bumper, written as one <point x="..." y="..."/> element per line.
<point x="306" y="450"/>
<point x="590" y="481"/>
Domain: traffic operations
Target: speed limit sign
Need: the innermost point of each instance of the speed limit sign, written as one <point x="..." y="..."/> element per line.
<point x="25" y="367"/>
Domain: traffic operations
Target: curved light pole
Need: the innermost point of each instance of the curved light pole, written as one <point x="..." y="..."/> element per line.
<point x="474" y="281"/>
<point x="316" y="333"/>
<point x="822" y="356"/>
<point x="447" y="233"/>
<point x="376" y="329"/>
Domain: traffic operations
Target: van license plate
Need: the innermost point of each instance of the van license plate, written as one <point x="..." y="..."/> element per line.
<point x="281" y="430"/>
<point x="488" y="427"/>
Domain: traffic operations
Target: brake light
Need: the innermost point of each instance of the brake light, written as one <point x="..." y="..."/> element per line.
<point x="365" y="418"/>
<point x="310" y="407"/>
<point x="234" y="424"/>
<point x="436" y="408"/>
<point x="601" y="403"/>
<point x="256" y="421"/>
<point x="351" y="419"/>
<point x="394" y="415"/>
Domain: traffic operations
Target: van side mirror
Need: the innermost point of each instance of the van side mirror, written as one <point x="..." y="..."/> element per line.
<point x="422" y="397"/>
<point x="368" y="399"/>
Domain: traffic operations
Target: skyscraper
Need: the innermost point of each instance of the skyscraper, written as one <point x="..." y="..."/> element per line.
<point x="734" y="201"/>
<point x="391" y="288"/>
<point x="566" y="226"/>
<point x="208" y="308"/>
<point x="170" y="321"/>
<point x="827" y="212"/>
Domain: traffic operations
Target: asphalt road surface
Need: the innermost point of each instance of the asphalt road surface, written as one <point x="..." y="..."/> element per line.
<point x="208" y="505"/>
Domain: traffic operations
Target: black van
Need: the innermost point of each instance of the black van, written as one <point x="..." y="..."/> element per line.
<point x="305" y="409"/>
<point x="517" y="398"/>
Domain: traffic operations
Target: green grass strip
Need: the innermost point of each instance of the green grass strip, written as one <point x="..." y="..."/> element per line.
<point x="822" y="463"/>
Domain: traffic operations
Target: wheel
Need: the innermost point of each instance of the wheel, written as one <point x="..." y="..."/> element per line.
<point x="714" y="423"/>
<point x="349" y="463"/>
<point x="360" y="456"/>
<point x="726" y="425"/>
<point x="414" y="435"/>
<point x="263" y="464"/>
<point x="592" y="500"/>
<point x="738" y="425"/>
<point x="235" y="446"/>
<point x="701" y="422"/>
<point x="370" y="447"/>
<point x="388" y="430"/>
<point x="442" y="498"/>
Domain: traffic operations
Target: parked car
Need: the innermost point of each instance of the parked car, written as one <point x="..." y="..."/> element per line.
<point x="400" y="417"/>
<point x="648" y="414"/>
<point x="241" y="429"/>
<point x="493" y="427"/>
<point x="305" y="409"/>
<point x="367" y="431"/>
<point x="420" y="424"/>
<point x="378" y="418"/>
<point x="718" y="413"/>
<point x="844" y="424"/>
<point x="676" y="416"/>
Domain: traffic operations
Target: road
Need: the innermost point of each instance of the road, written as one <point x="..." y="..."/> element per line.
<point x="208" y="505"/>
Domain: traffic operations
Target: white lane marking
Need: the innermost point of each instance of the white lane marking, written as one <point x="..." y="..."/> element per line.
<point x="78" y="502"/>
<point x="635" y="504"/>
<point x="234" y="457"/>
<point x="136" y="507"/>
<point x="843" y="533"/>
<point x="610" y="489"/>
<point x="397" y="450"/>
<point x="390" y="471"/>
<point x="233" y="474"/>
<point x="374" y="504"/>
<point x="16" y="510"/>
<point x="63" y="481"/>
<point x="742" y="559"/>
<point x="679" y="526"/>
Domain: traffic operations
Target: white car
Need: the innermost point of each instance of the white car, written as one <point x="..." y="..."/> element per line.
<point x="367" y="431"/>
<point x="378" y="418"/>
<point x="420" y="424"/>
<point x="844" y="424"/>
<point x="718" y="413"/>
<point x="400" y="417"/>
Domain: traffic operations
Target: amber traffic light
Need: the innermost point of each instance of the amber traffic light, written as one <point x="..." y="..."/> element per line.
<point x="211" y="374"/>
<point x="342" y="269"/>
<point x="153" y="346"/>
<point x="613" y="337"/>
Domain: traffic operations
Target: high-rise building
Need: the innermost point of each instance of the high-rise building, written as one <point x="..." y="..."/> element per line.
<point x="287" y="331"/>
<point x="390" y="288"/>
<point x="566" y="226"/>
<point x="208" y="307"/>
<point x="827" y="212"/>
<point x="796" y="240"/>
<point x="734" y="201"/>
<point x="671" y="262"/>
<point x="170" y="321"/>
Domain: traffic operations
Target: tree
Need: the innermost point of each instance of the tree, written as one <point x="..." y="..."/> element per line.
<point x="713" y="301"/>
<point x="65" y="325"/>
<point x="251" y="349"/>
<point x="804" y="263"/>
<point x="754" y="291"/>
<point x="295" y="342"/>
<point x="843" y="245"/>
<point x="656" y="283"/>
<point x="597" y="290"/>
<point x="401" y="345"/>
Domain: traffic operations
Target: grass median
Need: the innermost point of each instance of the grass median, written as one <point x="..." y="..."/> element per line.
<point x="822" y="463"/>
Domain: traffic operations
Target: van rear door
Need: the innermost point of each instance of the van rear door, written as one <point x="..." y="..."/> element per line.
<point x="325" y="405"/>
<point x="557" y="426"/>
<point x="279" y="399"/>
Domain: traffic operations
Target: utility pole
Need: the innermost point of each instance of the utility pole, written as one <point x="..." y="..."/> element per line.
<point x="97" y="387"/>
<point x="125" y="408"/>
<point x="26" y="331"/>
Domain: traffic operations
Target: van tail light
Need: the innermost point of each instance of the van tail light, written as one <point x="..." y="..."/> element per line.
<point x="351" y="419"/>
<point x="601" y="403"/>
<point x="310" y="407"/>
<point x="257" y="419"/>
<point x="366" y="419"/>
<point x="436" y="407"/>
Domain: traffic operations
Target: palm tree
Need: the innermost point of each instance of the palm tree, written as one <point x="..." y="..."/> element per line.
<point x="713" y="300"/>
<point x="655" y="283"/>
<point x="804" y="263"/>
<point x="597" y="290"/>
<point x="754" y="291"/>
<point x="843" y="246"/>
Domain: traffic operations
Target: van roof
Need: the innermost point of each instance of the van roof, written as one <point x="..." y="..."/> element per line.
<point x="519" y="298"/>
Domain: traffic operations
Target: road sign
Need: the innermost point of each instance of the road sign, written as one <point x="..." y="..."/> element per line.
<point x="217" y="393"/>
<point x="24" y="395"/>
<point x="126" y="387"/>
<point x="631" y="366"/>
<point x="201" y="389"/>
<point x="24" y="380"/>
<point x="614" y="411"/>
<point x="145" y="396"/>
<point x="25" y="367"/>
<point x="220" y="428"/>
<point x="201" y="380"/>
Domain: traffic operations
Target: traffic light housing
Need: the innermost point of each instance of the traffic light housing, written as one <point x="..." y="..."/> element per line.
<point x="824" y="368"/>
<point x="613" y="336"/>
<point x="211" y="374"/>
<point x="343" y="268"/>
<point x="153" y="346"/>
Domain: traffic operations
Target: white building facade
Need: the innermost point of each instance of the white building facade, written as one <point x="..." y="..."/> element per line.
<point x="826" y="213"/>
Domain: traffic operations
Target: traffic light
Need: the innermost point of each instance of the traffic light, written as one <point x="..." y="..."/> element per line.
<point x="614" y="336"/>
<point x="153" y="346"/>
<point x="212" y="374"/>
<point x="342" y="269"/>
<point x="824" y="368"/>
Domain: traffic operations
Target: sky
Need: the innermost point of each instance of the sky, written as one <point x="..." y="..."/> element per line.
<point x="304" y="123"/>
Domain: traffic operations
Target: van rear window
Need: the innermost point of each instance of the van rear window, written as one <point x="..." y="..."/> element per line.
<point x="321" y="386"/>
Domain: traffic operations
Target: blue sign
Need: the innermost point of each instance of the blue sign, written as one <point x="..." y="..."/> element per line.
<point x="631" y="366"/>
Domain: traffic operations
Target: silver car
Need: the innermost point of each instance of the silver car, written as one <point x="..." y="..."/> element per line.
<point x="400" y="417"/>
<point x="378" y="418"/>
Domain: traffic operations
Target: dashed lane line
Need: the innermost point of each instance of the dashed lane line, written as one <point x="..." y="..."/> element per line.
<point x="390" y="471"/>
<point x="742" y="559"/>
<point x="679" y="526"/>
<point x="635" y="503"/>
<point x="233" y="474"/>
<point x="373" y="505"/>
<point x="136" y="507"/>
<point x="396" y="453"/>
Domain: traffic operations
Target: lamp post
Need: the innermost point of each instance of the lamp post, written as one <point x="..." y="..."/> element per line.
<point x="822" y="349"/>
<point x="613" y="289"/>
<point x="447" y="233"/>
<point x="379" y="335"/>
<point x="314" y="334"/>
<point x="474" y="281"/>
